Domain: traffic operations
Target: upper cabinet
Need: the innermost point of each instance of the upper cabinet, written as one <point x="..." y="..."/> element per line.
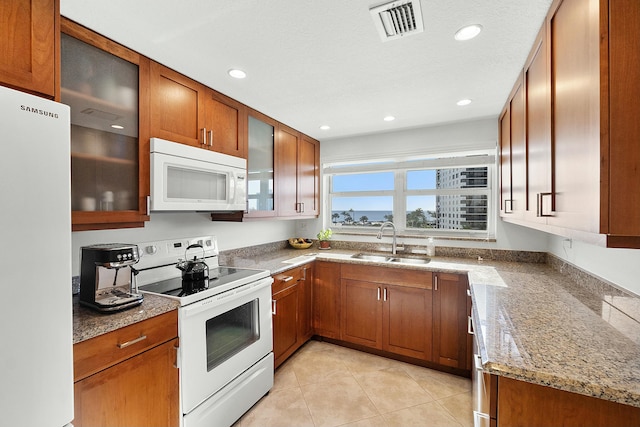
<point x="297" y="174"/>
<point x="260" y="162"/>
<point x="29" y="40"/>
<point x="106" y="85"/>
<point x="185" y="111"/>
<point x="581" y="126"/>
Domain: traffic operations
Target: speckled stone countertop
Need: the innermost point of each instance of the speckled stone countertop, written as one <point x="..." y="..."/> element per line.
<point x="532" y="322"/>
<point x="89" y="323"/>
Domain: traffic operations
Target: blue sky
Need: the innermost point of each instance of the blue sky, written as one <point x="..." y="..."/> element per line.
<point x="382" y="181"/>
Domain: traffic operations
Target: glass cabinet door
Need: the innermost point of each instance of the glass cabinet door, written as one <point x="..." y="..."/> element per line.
<point x="260" y="199"/>
<point x="102" y="91"/>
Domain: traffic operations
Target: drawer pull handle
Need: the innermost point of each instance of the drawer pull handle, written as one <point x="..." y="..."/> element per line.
<point x="287" y="278"/>
<point x="470" y="325"/>
<point x="128" y="343"/>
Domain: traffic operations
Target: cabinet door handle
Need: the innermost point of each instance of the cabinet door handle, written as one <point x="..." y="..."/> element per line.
<point x="204" y="136"/>
<point x="378" y="293"/>
<point x="510" y="209"/>
<point x="210" y="138"/>
<point x="177" y="364"/>
<point x="540" y="198"/>
<point x="304" y="274"/>
<point x="148" y="204"/>
<point x="302" y="207"/>
<point x="385" y="294"/>
<point x="469" y="325"/>
<point x="128" y="343"/>
<point x="273" y="307"/>
<point x="435" y="282"/>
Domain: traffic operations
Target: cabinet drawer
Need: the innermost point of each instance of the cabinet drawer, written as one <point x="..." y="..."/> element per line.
<point x="287" y="278"/>
<point x="396" y="276"/>
<point x="106" y="350"/>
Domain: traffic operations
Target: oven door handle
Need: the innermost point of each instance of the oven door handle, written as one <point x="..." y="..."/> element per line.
<point x="208" y="303"/>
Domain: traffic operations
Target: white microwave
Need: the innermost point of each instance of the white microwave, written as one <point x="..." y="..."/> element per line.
<point x="185" y="178"/>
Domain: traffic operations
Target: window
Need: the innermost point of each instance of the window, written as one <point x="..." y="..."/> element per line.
<point x="442" y="196"/>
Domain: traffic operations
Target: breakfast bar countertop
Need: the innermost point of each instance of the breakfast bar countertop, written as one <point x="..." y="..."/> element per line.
<point x="532" y="322"/>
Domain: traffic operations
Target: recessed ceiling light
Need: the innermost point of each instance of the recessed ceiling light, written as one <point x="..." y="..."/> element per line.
<point x="468" y="32"/>
<point x="463" y="102"/>
<point x="237" y="74"/>
<point x="117" y="127"/>
<point x="389" y="119"/>
<point x="325" y="127"/>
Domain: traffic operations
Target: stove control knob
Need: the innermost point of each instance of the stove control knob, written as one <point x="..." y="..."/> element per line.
<point x="152" y="249"/>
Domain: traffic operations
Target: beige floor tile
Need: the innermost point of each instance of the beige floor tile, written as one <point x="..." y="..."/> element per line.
<point x="282" y="408"/>
<point x="337" y="402"/>
<point x="285" y="377"/>
<point x="317" y="366"/>
<point x="362" y="363"/>
<point x="391" y="390"/>
<point x="439" y="384"/>
<point x="461" y="407"/>
<point x="378" y="421"/>
<point x="324" y="385"/>
<point x="427" y="414"/>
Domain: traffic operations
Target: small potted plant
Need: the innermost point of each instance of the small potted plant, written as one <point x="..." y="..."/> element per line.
<point x="324" y="236"/>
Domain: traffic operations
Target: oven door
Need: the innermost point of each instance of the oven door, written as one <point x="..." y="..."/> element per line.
<point x="221" y="337"/>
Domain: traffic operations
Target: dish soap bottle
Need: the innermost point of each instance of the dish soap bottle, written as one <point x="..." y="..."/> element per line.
<point x="431" y="247"/>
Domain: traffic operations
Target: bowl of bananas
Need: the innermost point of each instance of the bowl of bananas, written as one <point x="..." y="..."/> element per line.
<point x="300" y="243"/>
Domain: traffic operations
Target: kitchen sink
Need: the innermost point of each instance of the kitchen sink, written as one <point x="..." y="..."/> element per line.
<point x="370" y="257"/>
<point x="410" y="260"/>
<point x="393" y="259"/>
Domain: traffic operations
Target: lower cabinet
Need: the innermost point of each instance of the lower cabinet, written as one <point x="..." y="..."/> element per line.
<point x="407" y="312"/>
<point x="521" y="403"/>
<point x="384" y="316"/>
<point x="326" y="299"/>
<point x="128" y="377"/>
<point x="291" y="310"/>
<point x="450" y="321"/>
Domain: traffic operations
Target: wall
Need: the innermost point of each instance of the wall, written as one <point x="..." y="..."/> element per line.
<point x="618" y="266"/>
<point x="230" y="235"/>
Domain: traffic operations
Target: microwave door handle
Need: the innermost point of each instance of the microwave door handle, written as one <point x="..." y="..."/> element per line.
<point x="232" y="187"/>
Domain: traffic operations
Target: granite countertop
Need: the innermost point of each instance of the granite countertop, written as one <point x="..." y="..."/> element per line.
<point x="88" y="323"/>
<point x="532" y="322"/>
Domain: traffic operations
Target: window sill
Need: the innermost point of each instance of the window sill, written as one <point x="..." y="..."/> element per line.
<point x="439" y="235"/>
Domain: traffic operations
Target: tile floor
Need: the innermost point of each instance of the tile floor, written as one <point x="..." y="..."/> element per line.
<point x="324" y="385"/>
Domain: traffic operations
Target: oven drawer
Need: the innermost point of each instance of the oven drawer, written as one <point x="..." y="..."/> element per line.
<point x="106" y="350"/>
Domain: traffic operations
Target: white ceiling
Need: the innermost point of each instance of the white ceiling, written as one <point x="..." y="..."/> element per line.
<point x="321" y="62"/>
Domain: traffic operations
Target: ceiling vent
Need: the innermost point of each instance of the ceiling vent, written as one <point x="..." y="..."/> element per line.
<point x="397" y="19"/>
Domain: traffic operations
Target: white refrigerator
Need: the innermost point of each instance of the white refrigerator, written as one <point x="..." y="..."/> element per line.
<point x="36" y="344"/>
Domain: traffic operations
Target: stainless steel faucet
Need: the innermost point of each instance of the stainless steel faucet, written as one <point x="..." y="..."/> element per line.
<point x="379" y="236"/>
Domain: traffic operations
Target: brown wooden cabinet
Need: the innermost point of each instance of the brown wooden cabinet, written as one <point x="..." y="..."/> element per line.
<point x="450" y="320"/>
<point x="129" y="377"/>
<point x="185" y="111"/>
<point x="540" y="201"/>
<point x="513" y="155"/>
<point x="387" y="309"/>
<point x="106" y="85"/>
<point x="29" y="40"/>
<point x="581" y="125"/>
<point x="297" y="174"/>
<point x="326" y="299"/>
<point x="291" y="305"/>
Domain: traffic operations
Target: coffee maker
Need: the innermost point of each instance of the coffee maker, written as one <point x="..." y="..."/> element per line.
<point x="106" y="277"/>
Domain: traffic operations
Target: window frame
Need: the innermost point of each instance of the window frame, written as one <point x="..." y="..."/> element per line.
<point x="400" y="194"/>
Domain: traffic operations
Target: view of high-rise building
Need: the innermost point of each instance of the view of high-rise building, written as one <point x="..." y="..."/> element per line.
<point x="461" y="212"/>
